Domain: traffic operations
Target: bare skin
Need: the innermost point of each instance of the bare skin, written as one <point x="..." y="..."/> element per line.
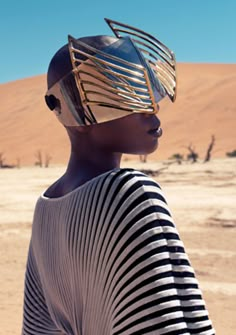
<point x="98" y="148"/>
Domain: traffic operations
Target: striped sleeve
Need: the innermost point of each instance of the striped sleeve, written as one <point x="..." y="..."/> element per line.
<point x="36" y="318"/>
<point x="145" y="280"/>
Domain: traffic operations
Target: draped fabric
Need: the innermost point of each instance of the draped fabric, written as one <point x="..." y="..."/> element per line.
<point x="106" y="259"/>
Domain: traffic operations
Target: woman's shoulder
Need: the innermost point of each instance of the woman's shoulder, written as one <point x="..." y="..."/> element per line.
<point x="135" y="175"/>
<point x="132" y="193"/>
<point x="118" y="182"/>
<point x="128" y="182"/>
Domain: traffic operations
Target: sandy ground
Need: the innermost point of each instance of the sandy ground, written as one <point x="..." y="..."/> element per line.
<point x="202" y="199"/>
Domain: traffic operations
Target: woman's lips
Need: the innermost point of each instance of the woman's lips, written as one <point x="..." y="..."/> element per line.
<point x="157" y="132"/>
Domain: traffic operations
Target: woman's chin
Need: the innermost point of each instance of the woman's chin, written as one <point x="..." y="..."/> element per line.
<point x="153" y="147"/>
<point x="148" y="150"/>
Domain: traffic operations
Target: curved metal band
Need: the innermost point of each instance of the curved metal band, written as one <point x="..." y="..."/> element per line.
<point x="131" y="75"/>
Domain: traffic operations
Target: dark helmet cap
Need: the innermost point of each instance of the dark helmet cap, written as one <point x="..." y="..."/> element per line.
<point x="60" y="64"/>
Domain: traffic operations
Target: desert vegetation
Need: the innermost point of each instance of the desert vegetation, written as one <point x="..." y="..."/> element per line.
<point x="231" y="153"/>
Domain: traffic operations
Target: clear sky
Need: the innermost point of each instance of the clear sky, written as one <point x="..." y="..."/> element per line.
<point x="32" y="30"/>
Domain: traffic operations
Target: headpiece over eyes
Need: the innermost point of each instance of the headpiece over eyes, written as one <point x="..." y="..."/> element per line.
<point x="131" y="75"/>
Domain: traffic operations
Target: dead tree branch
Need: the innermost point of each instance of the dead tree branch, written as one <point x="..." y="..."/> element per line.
<point x="1" y="159"/>
<point x="193" y="155"/>
<point x="209" y="149"/>
<point x="143" y="158"/>
<point x="39" y="161"/>
<point x="47" y="160"/>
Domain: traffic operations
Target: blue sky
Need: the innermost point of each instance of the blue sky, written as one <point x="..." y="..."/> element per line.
<point x="31" y="31"/>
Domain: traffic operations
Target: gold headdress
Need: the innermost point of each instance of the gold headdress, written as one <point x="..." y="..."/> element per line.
<point x="132" y="74"/>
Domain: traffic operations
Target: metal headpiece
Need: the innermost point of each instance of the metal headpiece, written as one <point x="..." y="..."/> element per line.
<point x="130" y="75"/>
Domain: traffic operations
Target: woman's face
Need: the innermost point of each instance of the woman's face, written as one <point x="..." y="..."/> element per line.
<point x="137" y="133"/>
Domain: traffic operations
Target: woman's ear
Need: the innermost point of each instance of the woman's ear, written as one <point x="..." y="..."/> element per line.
<point x="53" y="103"/>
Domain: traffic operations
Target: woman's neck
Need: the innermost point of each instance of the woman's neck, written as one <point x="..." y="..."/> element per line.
<point x="79" y="171"/>
<point x="92" y="165"/>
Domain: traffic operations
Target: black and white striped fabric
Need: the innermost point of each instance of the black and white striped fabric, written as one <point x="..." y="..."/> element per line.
<point x="106" y="259"/>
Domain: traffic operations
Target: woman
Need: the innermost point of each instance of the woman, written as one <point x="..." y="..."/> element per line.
<point x="105" y="256"/>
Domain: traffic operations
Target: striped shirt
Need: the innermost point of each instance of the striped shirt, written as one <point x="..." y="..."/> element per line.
<point x="106" y="259"/>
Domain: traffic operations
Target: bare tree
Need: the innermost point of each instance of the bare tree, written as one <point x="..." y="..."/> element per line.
<point x="39" y="161"/>
<point x="3" y="165"/>
<point x="143" y="158"/>
<point x="177" y="157"/>
<point x="209" y="149"/>
<point x="47" y="160"/>
<point x="231" y="153"/>
<point x="1" y="159"/>
<point x="193" y="155"/>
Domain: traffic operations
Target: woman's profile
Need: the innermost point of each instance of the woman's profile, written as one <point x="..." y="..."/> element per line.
<point x="105" y="257"/>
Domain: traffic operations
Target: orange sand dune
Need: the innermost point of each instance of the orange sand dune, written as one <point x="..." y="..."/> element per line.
<point x="205" y="106"/>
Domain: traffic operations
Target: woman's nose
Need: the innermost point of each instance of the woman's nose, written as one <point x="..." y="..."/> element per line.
<point x="153" y="118"/>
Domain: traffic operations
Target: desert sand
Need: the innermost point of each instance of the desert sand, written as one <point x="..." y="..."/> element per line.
<point x="205" y="106"/>
<point x="202" y="199"/>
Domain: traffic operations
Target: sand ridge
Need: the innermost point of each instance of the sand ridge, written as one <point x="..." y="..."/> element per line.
<point x="201" y="196"/>
<point x="205" y="106"/>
